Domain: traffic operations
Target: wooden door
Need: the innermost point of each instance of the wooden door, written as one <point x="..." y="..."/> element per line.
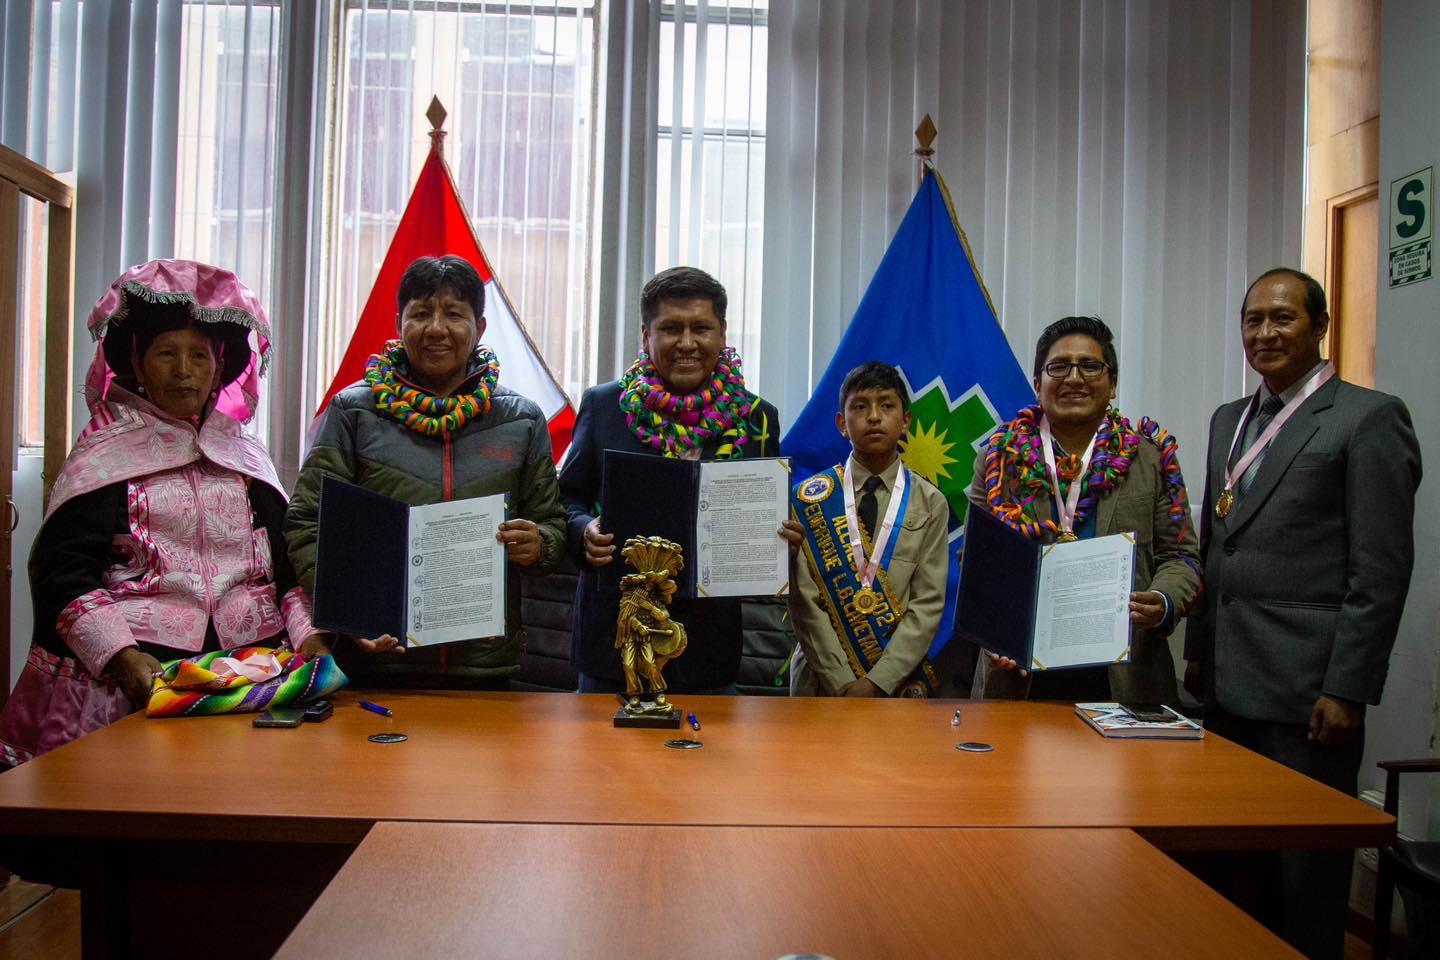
<point x="1352" y="251"/>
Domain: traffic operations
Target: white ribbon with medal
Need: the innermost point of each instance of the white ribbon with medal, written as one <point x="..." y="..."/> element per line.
<point x="1226" y="501"/>
<point x="1065" y="507"/>
<point x="867" y="599"/>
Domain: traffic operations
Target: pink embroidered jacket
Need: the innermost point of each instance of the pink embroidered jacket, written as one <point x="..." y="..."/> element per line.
<point x="192" y="552"/>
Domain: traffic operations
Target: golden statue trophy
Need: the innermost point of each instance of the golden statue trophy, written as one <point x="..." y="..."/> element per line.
<point x="644" y="633"/>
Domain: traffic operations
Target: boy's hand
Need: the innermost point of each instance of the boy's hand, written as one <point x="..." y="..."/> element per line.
<point x="861" y="687"/>
<point x="792" y="533"/>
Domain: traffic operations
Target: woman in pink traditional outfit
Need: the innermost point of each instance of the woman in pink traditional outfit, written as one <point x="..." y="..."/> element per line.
<point x="163" y="534"/>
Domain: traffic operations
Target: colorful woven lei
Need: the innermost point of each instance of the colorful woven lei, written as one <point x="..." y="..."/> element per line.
<point x="1170" y="466"/>
<point x="1174" y="490"/>
<point x="421" y="411"/>
<point x="1016" y="450"/>
<point x="671" y="423"/>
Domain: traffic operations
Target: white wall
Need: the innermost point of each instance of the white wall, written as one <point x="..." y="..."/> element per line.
<point x="1407" y="347"/>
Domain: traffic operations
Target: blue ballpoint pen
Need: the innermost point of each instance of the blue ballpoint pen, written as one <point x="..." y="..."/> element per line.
<point x="694" y="720"/>
<point x="376" y="708"/>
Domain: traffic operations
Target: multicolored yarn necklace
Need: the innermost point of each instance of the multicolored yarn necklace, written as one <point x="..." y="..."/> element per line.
<point x="1170" y="467"/>
<point x="421" y="411"/>
<point x="1017" y="446"/>
<point x="1175" y="491"/>
<point x="671" y="423"/>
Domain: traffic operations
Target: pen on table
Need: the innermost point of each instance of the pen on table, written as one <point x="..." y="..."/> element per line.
<point x="376" y="708"/>
<point x="694" y="720"/>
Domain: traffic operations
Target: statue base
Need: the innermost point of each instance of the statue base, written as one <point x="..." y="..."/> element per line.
<point x="650" y="717"/>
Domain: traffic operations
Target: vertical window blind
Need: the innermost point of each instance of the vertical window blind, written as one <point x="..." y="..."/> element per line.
<point x="710" y="151"/>
<point x="518" y="81"/>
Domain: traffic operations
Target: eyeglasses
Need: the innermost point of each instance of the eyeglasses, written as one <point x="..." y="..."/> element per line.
<point x="1089" y="369"/>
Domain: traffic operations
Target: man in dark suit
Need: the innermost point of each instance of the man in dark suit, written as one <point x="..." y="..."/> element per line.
<point x="683" y="397"/>
<point x="1307" y="542"/>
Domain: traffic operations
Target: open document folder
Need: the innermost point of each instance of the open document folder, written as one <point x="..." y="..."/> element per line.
<point x="725" y="514"/>
<point x="1045" y="606"/>
<point x="426" y="575"/>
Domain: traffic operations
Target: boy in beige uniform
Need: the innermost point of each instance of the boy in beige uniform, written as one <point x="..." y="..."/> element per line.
<point x="868" y="582"/>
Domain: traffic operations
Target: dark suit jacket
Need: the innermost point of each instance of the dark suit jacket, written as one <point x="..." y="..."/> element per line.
<point x="712" y="658"/>
<point x="1306" y="578"/>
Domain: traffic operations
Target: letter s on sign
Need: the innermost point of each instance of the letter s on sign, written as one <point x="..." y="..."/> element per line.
<point x="1407" y="206"/>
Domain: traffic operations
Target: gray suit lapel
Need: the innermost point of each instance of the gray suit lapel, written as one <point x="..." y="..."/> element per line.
<point x="1290" y="441"/>
<point x="1220" y="455"/>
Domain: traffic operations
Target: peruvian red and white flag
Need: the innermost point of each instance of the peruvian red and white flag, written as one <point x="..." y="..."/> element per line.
<point x="435" y="223"/>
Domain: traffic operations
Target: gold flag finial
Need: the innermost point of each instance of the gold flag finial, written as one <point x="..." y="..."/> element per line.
<point x="925" y="135"/>
<point x="436" y="115"/>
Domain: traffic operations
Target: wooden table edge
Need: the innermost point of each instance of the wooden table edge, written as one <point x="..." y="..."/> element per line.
<point x="260" y="827"/>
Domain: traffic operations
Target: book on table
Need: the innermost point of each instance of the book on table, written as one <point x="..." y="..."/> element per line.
<point x="426" y="574"/>
<point x="1045" y="606"/>
<point x="1157" y="722"/>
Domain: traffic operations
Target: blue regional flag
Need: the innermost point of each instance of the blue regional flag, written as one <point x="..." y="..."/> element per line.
<point x="927" y="313"/>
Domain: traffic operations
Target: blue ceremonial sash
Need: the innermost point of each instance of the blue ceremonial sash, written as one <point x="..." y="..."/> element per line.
<point x="819" y="505"/>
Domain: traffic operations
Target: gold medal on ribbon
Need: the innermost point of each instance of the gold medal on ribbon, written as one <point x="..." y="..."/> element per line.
<point x="1224" y="503"/>
<point x="866" y="601"/>
<point x="1066" y="537"/>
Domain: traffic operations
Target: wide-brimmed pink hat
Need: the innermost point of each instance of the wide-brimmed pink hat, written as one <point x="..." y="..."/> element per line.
<point x="211" y="295"/>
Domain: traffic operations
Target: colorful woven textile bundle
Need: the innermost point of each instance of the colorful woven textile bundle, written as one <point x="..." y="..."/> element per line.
<point x="188" y="688"/>
<point x="419" y="410"/>
<point x="672" y="423"/>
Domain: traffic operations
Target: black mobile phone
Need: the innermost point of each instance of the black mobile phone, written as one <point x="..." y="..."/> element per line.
<point x="319" y="710"/>
<point x="1149" y="712"/>
<point x="281" y="717"/>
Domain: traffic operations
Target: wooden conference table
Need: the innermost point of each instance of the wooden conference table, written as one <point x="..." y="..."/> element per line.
<point x="235" y="809"/>
<point x="548" y="890"/>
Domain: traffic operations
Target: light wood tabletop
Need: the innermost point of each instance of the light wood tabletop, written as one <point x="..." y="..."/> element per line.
<point x="531" y="890"/>
<point x="555" y="758"/>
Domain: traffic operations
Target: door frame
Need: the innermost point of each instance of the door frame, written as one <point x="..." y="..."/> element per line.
<point x="18" y="175"/>
<point x="1334" y="229"/>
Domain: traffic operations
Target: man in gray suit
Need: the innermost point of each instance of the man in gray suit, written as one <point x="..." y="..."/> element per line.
<point x="1307" y="541"/>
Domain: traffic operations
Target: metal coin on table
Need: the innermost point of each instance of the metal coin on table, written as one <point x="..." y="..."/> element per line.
<point x="387" y="738"/>
<point x="684" y="744"/>
<point x="973" y="746"/>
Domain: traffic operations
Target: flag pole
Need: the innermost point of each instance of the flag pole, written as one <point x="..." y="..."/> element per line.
<point x="924" y="135"/>
<point x="436" y="114"/>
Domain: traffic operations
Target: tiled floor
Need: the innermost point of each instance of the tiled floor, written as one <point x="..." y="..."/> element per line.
<point x="38" y="921"/>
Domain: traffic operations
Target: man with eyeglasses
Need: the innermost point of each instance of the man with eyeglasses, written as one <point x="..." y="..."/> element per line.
<point x="1071" y="467"/>
<point x="1307" y="540"/>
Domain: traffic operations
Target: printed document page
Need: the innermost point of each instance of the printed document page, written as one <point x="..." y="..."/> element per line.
<point x="1082" y="614"/>
<point x="456" y="571"/>
<point x="738" y="549"/>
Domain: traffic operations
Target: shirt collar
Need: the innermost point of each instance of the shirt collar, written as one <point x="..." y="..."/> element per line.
<point x="887" y="476"/>
<point x="1292" y="391"/>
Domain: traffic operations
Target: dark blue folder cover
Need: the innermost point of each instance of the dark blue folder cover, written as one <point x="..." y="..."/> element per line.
<point x="360" y="561"/>
<point x="647" y="496"/>
<point x="999" y="584"/>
